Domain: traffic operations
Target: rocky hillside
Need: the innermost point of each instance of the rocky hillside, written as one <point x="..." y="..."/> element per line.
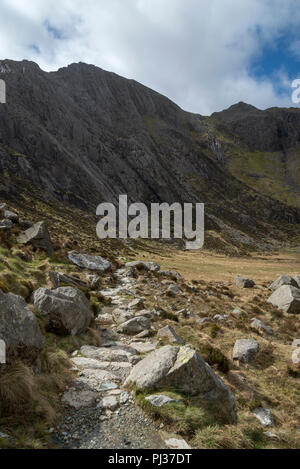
<point x="104" y="350"/>
<point x="82" y="135"/>
<point x="260" y="148"/>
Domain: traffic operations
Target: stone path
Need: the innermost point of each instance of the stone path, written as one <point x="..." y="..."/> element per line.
<point x="99" y="413"/>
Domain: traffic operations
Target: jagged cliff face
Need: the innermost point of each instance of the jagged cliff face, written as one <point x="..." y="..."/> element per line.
<point x="262" y="148"/>
<point x="84" y="136"/>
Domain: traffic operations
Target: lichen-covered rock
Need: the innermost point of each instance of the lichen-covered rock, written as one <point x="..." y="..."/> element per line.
<point x="245" y="350"/>
<point x="85" y="261"/>
<point x="286" y="298"/>
<point x="19" y="328"/>
<point x="184" y="369"/>
<point x="38" y="236"/>
<point x="67" y="310"/>
<point x="283" y="280"/>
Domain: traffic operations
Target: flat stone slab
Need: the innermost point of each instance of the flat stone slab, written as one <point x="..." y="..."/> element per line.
<point x="86" y="261"/>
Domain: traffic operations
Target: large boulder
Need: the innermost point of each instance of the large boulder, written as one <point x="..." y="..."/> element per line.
<point x="19" y="328"/>
<point x="38" y="236"/>
<point x="245" y="350"/>
<point x="286" y="298"/>
<point x="66" y="309"/>
<point x="85" y="261"/>
<point x="283" y="280"/>
<point x="184" y="369"/>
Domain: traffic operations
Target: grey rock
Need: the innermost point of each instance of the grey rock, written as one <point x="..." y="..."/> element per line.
<point x="297" y="280"/>
<point x="94" y="280"/>
<point x="141" y="265"/>
<point x="3" y="207"/>
<point x="59" y="278"/>
<point x="14" y="217"/>
<point x="283" y="280"/>
<point x="244" y="282"/>
<point x="159" y="400"/>
<point x="176" y="443"/>
<point x="66" y="309"/>
<point x="109" y="403"/>
<point x="272" y="436"/>
<point x="183" y="369"/>
<point x="108" y="354"/>
<point x="286" y="298"/>
<point x="245" y="350"/>
<point x="124" y="397"/>
<point x="260" y="326"/>
<point x="237" y="312"/>
<point x="79" y="398"/>
<point x="121" y="315"/>
<point x="19" y="328"/>
<point x="220" y="317"/>
<point x="6" y="225"/>
<point x="169" y="333"/>
<point x="85" y="261"/>
<point x="136" y="304"/>
<point x="134" y="325"/>
<point x="38" y="236"/>
<point x="204" y="321"/>
<point x="174" y="290"/>
<point x="264" y="416"/>
<point x="172" y="274"/>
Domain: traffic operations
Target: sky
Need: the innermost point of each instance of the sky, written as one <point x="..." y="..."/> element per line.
<point x="203" y="54"/>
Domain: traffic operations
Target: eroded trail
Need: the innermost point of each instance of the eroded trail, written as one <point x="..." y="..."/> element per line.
<point x="99" y="413"/>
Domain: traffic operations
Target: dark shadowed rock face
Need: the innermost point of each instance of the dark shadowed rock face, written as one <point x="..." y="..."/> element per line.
<point x="84" y="136"/>
<point x="19" y="328"/>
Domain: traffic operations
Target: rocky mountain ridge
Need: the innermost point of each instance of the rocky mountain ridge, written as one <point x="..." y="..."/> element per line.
<point x="83" y="136"/>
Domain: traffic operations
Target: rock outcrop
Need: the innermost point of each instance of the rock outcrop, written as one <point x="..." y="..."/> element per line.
<point x="66" y="309"/>
<point x="183" y="369"/>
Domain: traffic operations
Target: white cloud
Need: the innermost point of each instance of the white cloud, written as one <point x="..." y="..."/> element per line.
<point x="197" y="52"/>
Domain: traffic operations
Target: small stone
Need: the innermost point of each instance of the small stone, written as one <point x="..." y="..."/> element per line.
<point x="264" y="416"/>
<point x="244" y="282"/>
<point x="109" y="403"/>
<point x="174" y="443"/>
<point x="174" y="290"/>
<point x="245" y="350"/>
<point x="158" y="400"/>
<point x="260" y="326"/>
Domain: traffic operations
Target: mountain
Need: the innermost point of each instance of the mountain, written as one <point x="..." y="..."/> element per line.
<point x="262" y="148"/>
<point x="82" y="136"/>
